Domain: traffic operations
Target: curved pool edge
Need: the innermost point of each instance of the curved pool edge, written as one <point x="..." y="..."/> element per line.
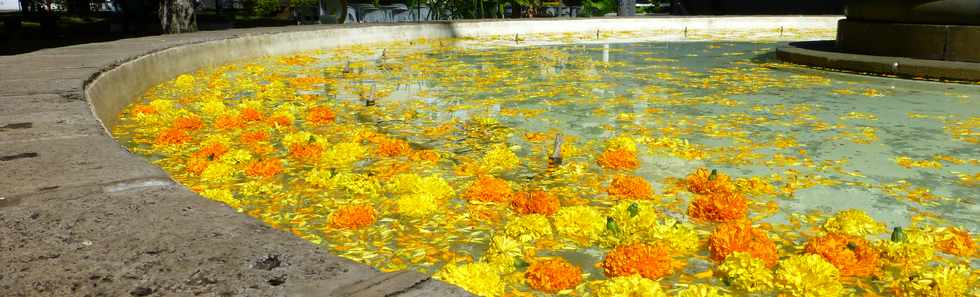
<point x="83" y="216"/>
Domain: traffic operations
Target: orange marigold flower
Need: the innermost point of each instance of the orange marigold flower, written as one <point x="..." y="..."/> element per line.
<point x="353" y="217"/>
<point x="228" y="123"/>
<point x="489" y="189"/>
<point x="139" y="109"/>
<point x="960" y="243"/>
<point x="188" y="123"/>
<point x="649" y="261"/>
<point x="539" y="202"/>
<point x="320" y="115"/>
<point x="280" y="121"/>
<point x="704" y="182"/>
<point x="618" y="159"/>
<point x="718" y="207"/>
<point x="391" y="147"/>
<point x="633" y="187"/>
<point x="426" y="155"/>
<point x="305" y="151"/>
<point x="851" y="255"/>
<point x="211" y="152"/>
<point x="197" y="165"/>
<point x="264" y="168"/>
<point x="250" y="115"/>
<point x="740" y="236"/>
<point x="254" y="136"/>
<point x="172" y="136"/>
<point x="553" y="275"/>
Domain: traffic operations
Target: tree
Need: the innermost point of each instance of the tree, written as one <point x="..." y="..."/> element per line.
<point x="177" y="16"/>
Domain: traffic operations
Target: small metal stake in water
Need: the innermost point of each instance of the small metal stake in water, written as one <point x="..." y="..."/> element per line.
<point x="370" y="101"/>
<point x="596" y="34"/>
<point x="556" y="158"/>
<point x="347" y="68"/>
<point x="780" y="31"/>
<point x="517" y="38"/>
<point x="685" y="32"/>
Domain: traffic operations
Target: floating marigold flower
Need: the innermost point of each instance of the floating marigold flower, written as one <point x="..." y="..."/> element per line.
<point x="540" y="202"/>
<point x="701" y="290"/>
<point x="391" y="147"/>
<point x="621" y="143"/>
<point x="265" y="168"/>
<point x="553" y="275"/>
<point x="320" y="115"/>
<point x="915" y="249"/>
<point x="280" y="121"/>
<point x="249" y="114"/>
<point x="629" y="286"/>
<point x="853" y="222"/>
<point x="252" y="137"/>
<point x="172" y="136"/>
<point x="478" y="278"/>
<point x="956" y="241"/>
<point x="305" y="151"/>
<point x="211" y="151"/>
<point x="223" y="196"/>
<point x="851" y="255"/>
<point x="504" y="253"/>
<point x="218" y="172"/>
<point x="416" y="205"/>
<point x="940" y="281"/>
<point x="582" y="224"/>
<point x="426" y="155"/>
<point x="196" y="165"/>
<point x="499" y="158"/>
<point x="632" y="187"/>
<point x="651" y="262"/>
<point x="143" y="109"/>
<point x="618" y="159"/>
<point x="808" y="276"/>
<point x="718" y="207"/>
<point x="344" y="154"/>
<point x="746" y="273"/>
<point x="228" y="122"/>
<point x="741" y="237"/>
<point x="190" y="122"/>
<point x="489" y="189"/>
<point x="680" y="238"/>
<point x="353" y="217"/>
<point x="528" y="228"/>
<point x="704" y="182"/>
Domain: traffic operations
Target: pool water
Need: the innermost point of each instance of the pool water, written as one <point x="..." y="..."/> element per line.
<point x="685" y="167"/>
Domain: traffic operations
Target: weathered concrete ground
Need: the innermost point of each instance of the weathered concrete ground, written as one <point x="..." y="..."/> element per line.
<point x="80" y="216"/>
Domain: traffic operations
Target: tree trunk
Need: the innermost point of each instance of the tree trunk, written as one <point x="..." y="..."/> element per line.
<point x="177" y="16"/>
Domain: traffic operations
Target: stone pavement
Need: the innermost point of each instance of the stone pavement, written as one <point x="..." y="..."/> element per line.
<point x="80" y="216"/>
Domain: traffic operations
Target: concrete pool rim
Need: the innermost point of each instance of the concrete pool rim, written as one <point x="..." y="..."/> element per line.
<point x="83" y="216"/>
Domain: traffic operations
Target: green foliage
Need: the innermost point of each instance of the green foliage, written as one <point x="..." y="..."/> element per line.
<point x="598" y="7"/>
<point x="303" y="3"/>
<point x="266" y="7"/>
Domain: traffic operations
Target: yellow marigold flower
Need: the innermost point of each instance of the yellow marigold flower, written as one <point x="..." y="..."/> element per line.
<point x="162" y="106"/>
<point x="629" y="222"/>
<point x="553" y="275"/>
<point x="746" y="273"/>
<point x="629" y="286"/>
<point x="218" y="172"/>
<point x="357" y="184"/>
<point x="184" y="82"/>
<point x="343" y="154"/>
<point x="649" y="261"/>
<point x="702" y="290"/>
<point x="916" y="249"/>
<point x="353" y="217"/>
<point x="956" y="241"/>
<point x="853" y="222"/>
<point x="682" y="239"/>
<point x="503" y="253"/>
<point x="630" y="187"/>
<point x="408" y="183"/>
<point x="528" y="228"/>
<point x="618" y="159"/>
<point x="499" y="158"/>
<point x="704" y="182"/>
<point x="237" y="157"/>
<point x="300" y="137"/>
<point x="213" y="108"/>
<point x="582" y="224"/>
<point x="319" y="177"/>
<point x="223" y="196"/>
<point x="940" y="281"/>
<point x="416" y="205"/>
<point x="260" y="188"/>
<point x="489" y="189"/>
<point x="478" y="278"/>
<point x="621" y="143"/>
<point x="808" y="276"/>
<point x="851" y="255"/>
